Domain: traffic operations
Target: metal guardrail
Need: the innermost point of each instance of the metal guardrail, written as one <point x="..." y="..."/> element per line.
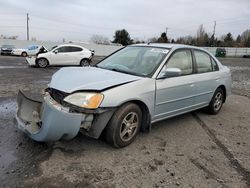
<point x="104" y="50"/>
<point x="230" y="52"/>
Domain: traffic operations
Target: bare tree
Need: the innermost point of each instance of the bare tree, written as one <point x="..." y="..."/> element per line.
<point x="245" y="38"/>
<point x="201" y="35"/>
<point x="153" y="40"/>
<point x="99" y="39"/>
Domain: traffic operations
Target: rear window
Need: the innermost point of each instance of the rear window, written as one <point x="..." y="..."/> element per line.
<point x="75" y="49"/>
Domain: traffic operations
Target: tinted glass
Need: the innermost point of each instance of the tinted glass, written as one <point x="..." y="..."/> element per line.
<point x="64" y="49"/>
<point x="203" y="62"/>
<point x="75" y="49"/>
<point x="8" y="46"/>
<point x="182" y="60"/>
<point x="32" y="47"/>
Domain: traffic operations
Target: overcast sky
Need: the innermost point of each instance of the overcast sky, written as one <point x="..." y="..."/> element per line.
<point x="78" y="20"/>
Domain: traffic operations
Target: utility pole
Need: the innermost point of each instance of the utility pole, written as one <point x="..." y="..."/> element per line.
<point x="214" y="28"/>
<point x="27" y="18"/>
<point x="166" y="31"/>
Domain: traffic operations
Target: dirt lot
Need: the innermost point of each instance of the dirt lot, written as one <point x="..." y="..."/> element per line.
<point x="192" y="150"/>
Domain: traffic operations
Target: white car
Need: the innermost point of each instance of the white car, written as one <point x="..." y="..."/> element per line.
<point x="63" y="55"/>
<point x="31" y="50"/>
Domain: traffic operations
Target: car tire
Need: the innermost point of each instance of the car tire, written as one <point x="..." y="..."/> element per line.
<point x="216" y="102"/>
<point x="124" y="125"/>
<point x="24" y="54"/>
<point x="85" y="62"/>
<point x="42" y="63"/>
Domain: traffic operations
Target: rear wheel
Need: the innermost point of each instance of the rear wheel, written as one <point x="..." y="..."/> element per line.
<point x="24" y="54"/>
<point x="124" y="125"/>
<point x="216" y="102"/>
<point x="42" y="63"/>
<point x="85" y="62"/>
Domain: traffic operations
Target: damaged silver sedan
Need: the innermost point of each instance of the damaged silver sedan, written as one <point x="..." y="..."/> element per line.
<point x="125" y="93"/>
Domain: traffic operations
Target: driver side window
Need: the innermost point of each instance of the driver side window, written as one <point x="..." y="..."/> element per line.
<point x="182" y="60"/>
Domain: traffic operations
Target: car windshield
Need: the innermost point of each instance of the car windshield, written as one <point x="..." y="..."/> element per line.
<point x="135" y="60"/>
<point x="7" y="46"/>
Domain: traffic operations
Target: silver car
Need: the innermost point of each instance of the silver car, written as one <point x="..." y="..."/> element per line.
<point x="125" y="93"/>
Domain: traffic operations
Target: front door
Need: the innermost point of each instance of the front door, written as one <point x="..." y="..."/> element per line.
<point x="61" y="56"/>
<point x="175" y="95"/>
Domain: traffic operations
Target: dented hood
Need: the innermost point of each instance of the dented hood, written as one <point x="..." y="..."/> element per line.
<point x="72" y="79"/>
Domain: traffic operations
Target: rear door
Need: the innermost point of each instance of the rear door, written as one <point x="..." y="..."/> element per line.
<point x="207" y="77"/>
<point x="76" y="55"/>
<point x="175" y="95"/>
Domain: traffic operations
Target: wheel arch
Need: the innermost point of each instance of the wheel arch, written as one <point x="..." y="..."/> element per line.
<point x="224" y="92"/>
<point x="85" y="58"/>
<point x="37" y="59"/>
<point x="146" y="116"/>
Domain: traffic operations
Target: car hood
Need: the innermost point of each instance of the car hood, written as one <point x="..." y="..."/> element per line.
<point x="72" y="79"/>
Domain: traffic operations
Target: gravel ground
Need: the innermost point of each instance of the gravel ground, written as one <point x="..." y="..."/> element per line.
<point x="240" y="69"/>
<point x="191" y="150"/>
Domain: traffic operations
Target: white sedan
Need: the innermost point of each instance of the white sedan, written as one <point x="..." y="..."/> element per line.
<point x="31" y="50"/>
<point x="63" y="55"/>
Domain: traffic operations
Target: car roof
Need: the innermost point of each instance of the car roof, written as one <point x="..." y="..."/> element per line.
<point x="70" y="45"/>
<point x="167" y="45"/>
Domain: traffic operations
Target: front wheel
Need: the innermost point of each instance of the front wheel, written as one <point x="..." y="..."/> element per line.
<point x="216" y="102"/>
<point x="42" y="63"/>
<point x="85" y="62"/>
<point x="124" y="125"/>
<point x="24" y="54"/>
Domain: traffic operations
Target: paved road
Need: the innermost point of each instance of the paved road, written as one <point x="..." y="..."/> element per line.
<point x="192" y="150"/>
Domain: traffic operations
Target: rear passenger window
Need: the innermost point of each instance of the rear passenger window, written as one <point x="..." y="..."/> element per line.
<point x="182" y="60"/>
<point x="203" y="62"/>
<point x="75" y="49"/>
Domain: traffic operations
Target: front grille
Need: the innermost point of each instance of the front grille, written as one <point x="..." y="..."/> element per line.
<point x="57" y="95"/>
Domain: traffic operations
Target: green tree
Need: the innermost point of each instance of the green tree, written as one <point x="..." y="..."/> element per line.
<point x="238" y="39"/>
<point x="163" y="38"/>
<point x="228" y="40"/>
<point x="122" y="37"/>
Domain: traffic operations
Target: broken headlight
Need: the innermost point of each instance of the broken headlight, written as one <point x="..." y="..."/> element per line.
<point x="85" y="100"/>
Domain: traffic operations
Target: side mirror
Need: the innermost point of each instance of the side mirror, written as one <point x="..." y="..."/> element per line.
<point x="170" y="72"/>
<point x="56" y="51"/>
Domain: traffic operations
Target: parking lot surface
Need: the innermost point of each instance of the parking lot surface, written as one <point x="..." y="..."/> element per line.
<point x="191" y="150"/>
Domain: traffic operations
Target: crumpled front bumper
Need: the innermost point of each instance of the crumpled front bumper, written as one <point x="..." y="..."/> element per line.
<point x="47" y="120"/>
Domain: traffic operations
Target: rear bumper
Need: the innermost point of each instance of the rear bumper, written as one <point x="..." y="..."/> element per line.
<point x="50" y="121"/>
<point x="31" y="61"/>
